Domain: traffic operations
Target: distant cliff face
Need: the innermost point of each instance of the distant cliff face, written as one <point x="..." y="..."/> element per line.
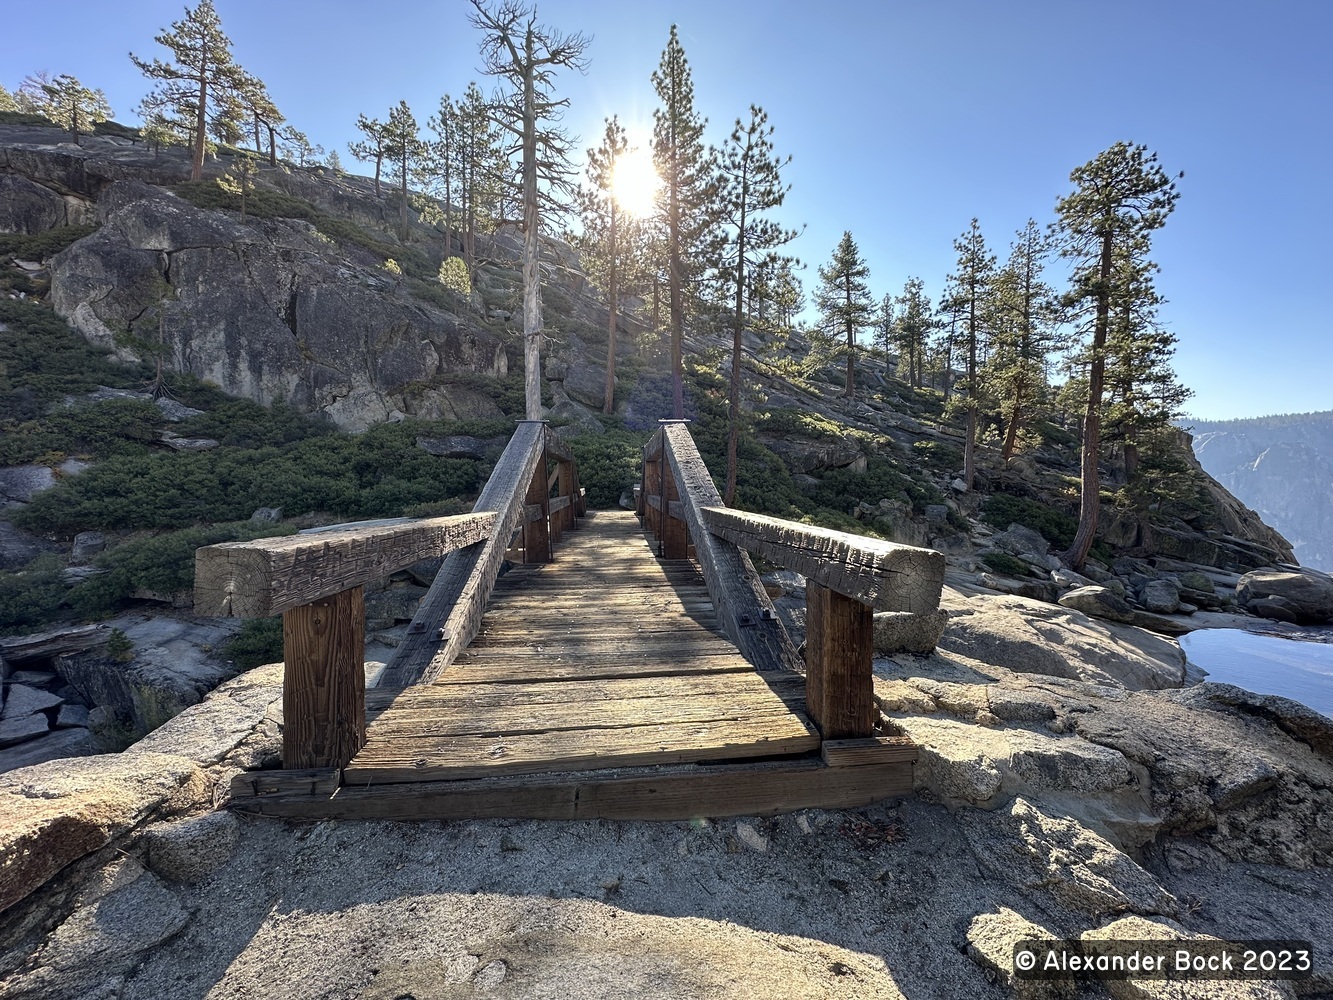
<point x="1282" y="467"/>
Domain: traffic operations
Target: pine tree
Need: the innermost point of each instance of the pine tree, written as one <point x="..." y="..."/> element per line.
<point x="788" y="296"/>
<point x="482" y="168"/>
<point x="526" y="55"/>
<point x="749" y="186"/>
<point x="1119" y="198"/>
<point x="402" y="148"/>
<point x="844" y="299"/>
<point x="974" y="277"/>
<point x="437" y="164"/>
<point x="913" y="328"/>
<point x="686" y="170"/>
<point x="602" y="224"/>
<point x="202" y="74"/>
<point x="239" y="181"/>
<point x="1024" y="333"/>
<point x="71" y="105"/>
<point x="373" y="147"/>
<point x="886" y="328"/>
<point x="7" y="100"/>
<point x="264" y="117"/>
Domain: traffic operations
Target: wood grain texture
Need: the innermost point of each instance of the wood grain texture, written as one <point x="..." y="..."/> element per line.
<point x="537" y="531"/>
<point x="885" y="575"/>
<point x="457" y="598"/>
<point x="746" y="612"/>
<point x="664" y="793"/>
<point x="868" y="750"/>
<point x="266" y="576"/>
<point x="324" y="681"/>
<point x="839" y="648"/>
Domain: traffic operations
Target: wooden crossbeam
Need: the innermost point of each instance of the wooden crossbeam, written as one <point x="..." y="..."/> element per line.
<point x="885" y="575"/>
<point x="263" y="577"/>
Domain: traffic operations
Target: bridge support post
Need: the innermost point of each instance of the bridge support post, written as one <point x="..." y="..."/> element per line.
<point x="324" y="681"/>
<point x="839" y="646"/>
<point x="675" y="533"/>
<point x="537" y="534"/>
<point x="568" y="487"/>
<point x="652" y="476"/>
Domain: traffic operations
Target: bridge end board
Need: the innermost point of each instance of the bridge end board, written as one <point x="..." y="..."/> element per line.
<point x="659" y="794"/>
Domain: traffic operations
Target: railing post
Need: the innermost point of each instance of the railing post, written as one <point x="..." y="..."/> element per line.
<point x="324" y="681"/>
<point x="567" y="489"/>
<point x="675" y="533"/>
<point x="651" y="479"/>
<point x="537" y="534"/>
<point x="839" y="647"/>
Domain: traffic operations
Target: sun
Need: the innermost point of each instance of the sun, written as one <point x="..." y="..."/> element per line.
<point x="634" y="183"/>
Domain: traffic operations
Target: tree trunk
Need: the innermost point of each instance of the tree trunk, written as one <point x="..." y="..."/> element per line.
<point x="532" y="308"/>
<point x="609" y="400"/>
<point x="200" y="118"/>
<point x="272" y="146"/>
<point x="379" y="161"/>
<point x="969" y="446"/>
<point x="676" y="306"/>
<point x="850" y="389"/>
<point x="1090" y="497"/>
<point x="1011" y="432"/>
<point x="734" y="409"/>
<point x="402" y="208"/>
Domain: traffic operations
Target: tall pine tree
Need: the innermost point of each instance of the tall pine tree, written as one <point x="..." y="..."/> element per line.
<point x="686" y="170"/>
<point x="749" y="186"/>
<point x="201" y="75"/>
<point x="603" y="221"/>
<point x="975" y="274"/>
<point x="1120" y="197"/>
<point x="844" y="299"/>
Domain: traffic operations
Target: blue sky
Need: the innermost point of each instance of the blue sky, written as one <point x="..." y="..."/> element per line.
<point x="903" y="120"/>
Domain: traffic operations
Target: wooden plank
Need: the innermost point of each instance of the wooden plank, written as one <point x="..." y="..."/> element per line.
<point x="426" y="698"/>
<point x="458" y="596"/>
<point x="496" y="672"/>
<point x="588" y="717"/>
<point x="867" y="751"/>
<point x="839" y="647"/>
<point x="266" y="576"/>
<point x="674" y="509"/>
<point x="324" y="681"/>
<point x="557" y="447"/>
<point x="458" y="757"/>
<point x="742" y="605"/>
<point x="682" y="793"/>
<point x="676" y="535"/>
<point x="311" y="781"/>
<point x="885" y="575"/>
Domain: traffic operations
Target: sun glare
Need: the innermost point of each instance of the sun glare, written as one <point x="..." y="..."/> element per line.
<point x="635" y="182"/>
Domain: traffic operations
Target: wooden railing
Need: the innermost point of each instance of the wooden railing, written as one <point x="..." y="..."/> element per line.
<point x="315" y="580"/>
<point x="848" y="578"/>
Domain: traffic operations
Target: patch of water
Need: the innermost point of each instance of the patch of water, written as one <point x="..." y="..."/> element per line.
<point x="1297" y="668"/>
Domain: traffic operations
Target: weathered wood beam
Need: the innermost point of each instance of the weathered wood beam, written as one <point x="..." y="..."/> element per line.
<point x="885" y="575"/>
<point x="675" y="508"/>
<point x="324" y="681"/>
<point x="561" y="503"/>
<point x="675" y="533"/>
<point x="450" y="613"/>
<point x="557" y="448"/>
<point x="662" y="793"/>
<point x="263" y="577"/>
<point x="743" y="607"/>
<point x="839" y="648"/>
<point x="537" y="532"/>
<point x="652" y="450"/>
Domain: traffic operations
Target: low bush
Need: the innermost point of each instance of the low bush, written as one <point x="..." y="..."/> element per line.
<point x="32" y="597"/>
<point x="609" y="464"/>
<point x="44" y="245"/>
<point x="1003" y="562"/>
<point x="258" y="642"/>
<point x="1000" y="510"/>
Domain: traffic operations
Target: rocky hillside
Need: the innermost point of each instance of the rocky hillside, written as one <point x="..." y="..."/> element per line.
<point x="1281" y="466"/>
<point x="177" y="375"/>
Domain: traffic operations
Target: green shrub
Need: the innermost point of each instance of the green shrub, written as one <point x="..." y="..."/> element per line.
<point x="25" y="118"/>
<point x="1000" y="510"/>
<point x="258" y="642"/>
<point x="938" y="455"/>
<point x="42" y="246"/>
<point x="609" y="464"/>
<point x="241" y="423"/>
<point x="1003" y="562"/>
<point x="376" y="474"/>
<point x="32" y="597"/>
<point x="119" y="647"/>
<point x="40" y="353"/>
<point x="163" y="564"/>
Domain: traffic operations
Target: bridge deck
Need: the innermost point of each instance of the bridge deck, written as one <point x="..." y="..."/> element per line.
<point x="606" y="658"/>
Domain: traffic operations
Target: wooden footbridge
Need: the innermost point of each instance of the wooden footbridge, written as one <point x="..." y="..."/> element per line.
<point x="635" y="669"/>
